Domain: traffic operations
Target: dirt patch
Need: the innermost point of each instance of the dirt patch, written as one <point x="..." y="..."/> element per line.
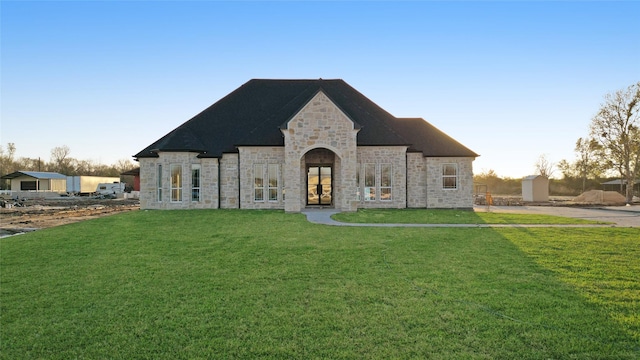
<point x="600" y="197"/>
<point x="39" y="214"/>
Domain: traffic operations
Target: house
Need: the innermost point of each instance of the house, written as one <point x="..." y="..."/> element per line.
<point x="132" y="179"/>
<point x="292" y="144"/>
<point x="620" y="185"/>
<point x="27" y="184"/>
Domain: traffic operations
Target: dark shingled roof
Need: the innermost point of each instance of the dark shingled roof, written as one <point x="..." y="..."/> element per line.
<point x="430" y="140"/>
<point x="253" y="115"/>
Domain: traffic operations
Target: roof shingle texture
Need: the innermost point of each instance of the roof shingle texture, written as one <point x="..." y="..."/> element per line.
<point x="253" y="115"/>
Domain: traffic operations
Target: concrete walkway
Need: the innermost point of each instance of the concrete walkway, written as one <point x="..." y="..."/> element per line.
<point x="619" y="216"/>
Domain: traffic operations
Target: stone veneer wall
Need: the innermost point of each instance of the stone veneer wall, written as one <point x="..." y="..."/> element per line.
<point x="249" y="156"/>
<point x="229" y="182"/>
<point x="320" y="124"/>
<point x="437" y="197"/>
<point x="416" y="180"/>
<point x="393" y="155"/>
<point x="422" y="182"/>
<point x="149" y="180"/>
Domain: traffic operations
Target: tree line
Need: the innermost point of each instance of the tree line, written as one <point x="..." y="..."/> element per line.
<point x="61" y="162"/>
<point x="565" y="186"/>
<point x="610" y="150"/>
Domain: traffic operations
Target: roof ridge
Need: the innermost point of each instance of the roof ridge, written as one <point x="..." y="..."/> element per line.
<point x="296" y="80"/>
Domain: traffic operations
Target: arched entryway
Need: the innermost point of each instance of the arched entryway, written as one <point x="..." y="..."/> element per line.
<point x="320" y="172"/>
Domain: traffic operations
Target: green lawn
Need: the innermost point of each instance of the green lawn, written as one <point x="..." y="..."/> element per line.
<point x="445" y="216"/>
<point x="265" y="284"/>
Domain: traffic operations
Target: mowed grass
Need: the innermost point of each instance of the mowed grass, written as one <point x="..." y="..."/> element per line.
<point x="446" y="216"/>
<point x="265" y="284"/>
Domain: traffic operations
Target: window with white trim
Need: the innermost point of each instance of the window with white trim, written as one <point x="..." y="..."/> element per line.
<point x="195" y="182"/>
<point x="176" y="182"/>
<point x="273" y="182"/>
<point x="450" y="176"/>
<point x="369" y="182"/>
<point x="159" y="184"/>
<point x="385" y="182"/>
<point x="258" y="182"/>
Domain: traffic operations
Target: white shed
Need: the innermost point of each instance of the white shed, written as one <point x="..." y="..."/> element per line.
<point x="535" y="188"/>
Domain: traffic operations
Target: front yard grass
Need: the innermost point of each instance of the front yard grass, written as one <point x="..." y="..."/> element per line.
<point x="265" y="284"/>
<point x="446" y="216"/>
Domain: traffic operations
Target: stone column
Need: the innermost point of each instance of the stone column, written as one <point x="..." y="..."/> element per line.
<point x="292" y="174"/>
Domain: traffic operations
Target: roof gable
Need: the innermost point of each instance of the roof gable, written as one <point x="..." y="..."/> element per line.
<point x="285" y="125"/>
<point x="254" y="114"/>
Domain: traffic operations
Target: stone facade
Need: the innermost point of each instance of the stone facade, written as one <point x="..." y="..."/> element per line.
<point x="263" y="157"/>
<point x="376" y="157"/>
<point x="229" y="182"/>
<point x="176" y="190"/>
<point x="437" y="195"/>
<point x="319" y="135"/>
<point x="416" y="181"/>
<point x="320" y="124"/>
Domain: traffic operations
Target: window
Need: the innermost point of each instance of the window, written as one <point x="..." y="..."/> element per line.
<point x="273" y="182"/>
<point x="358" y="182"/>
<point x="176" y="182"/>
<point x="159" y="176"/>
<point x="450" y="176"/>
<point x="369" y="182"/>
<point x="195" y="182"/>
<point x="28" y="185"/>
<point x="258" y="182"/>
<point x="284" y="193"/>
<point x="266" y="183"/>
<point x="385" y="182"/>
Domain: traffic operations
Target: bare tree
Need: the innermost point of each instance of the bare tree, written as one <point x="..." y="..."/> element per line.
<point x="544" y="167"/>
<point x="30" y="164"/>
<point x="7" y="160"/>
<point x="60" y="160"/>
<point x="11" y="150"/>
<point x="124" y="165"/>
<point x="86" y="167"/>
<point x="616" y="128"/>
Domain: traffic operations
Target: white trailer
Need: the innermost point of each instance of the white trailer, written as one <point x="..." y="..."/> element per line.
<point x="110" y="189"/>
<point x="84" y="185"/>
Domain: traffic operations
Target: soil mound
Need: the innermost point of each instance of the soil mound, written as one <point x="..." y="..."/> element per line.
<point x="600" y="197"/>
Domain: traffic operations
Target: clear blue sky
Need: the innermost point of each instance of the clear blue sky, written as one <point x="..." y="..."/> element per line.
<point x="510" y="80"/>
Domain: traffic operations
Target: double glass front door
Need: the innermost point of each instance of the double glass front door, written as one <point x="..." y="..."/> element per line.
<point x="319" y="189"/>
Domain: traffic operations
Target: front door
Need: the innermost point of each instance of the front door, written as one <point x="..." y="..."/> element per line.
<point x="319" y="188"/>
